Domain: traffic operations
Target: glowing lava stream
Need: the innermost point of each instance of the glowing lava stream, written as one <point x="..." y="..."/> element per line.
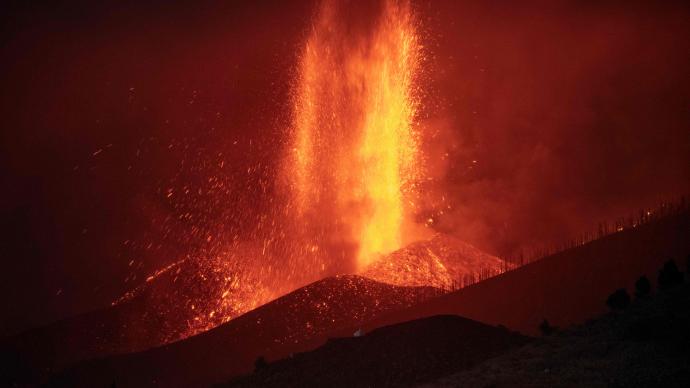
<point x="354" y="159"/>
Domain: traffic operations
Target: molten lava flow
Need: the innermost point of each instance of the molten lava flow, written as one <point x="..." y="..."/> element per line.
<point x="355" y="155"/>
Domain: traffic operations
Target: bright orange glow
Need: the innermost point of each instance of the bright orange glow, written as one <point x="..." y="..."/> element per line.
<point x="355" y="153"/>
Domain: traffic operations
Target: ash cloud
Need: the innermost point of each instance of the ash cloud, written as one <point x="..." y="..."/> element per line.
<point x="555" y="116"/>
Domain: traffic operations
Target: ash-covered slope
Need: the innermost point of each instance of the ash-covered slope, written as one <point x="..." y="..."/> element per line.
<point x="441" y="261"/>
<point x="296" y="322"/>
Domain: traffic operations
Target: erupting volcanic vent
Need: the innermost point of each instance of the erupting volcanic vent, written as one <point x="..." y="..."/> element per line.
<point x="342" y="197"/>
<point x="354" y="160"/>
<point x="442" y="262"/>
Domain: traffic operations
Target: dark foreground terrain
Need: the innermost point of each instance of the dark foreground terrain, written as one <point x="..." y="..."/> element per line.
<point x="566" y="288"/>
<point x="296" y="322"/>
<point x="646" y="346"/>
<point x="398" y="355"/>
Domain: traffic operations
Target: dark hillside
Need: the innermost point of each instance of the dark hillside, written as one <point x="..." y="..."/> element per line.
<point x="566" y="288"/>
<point x="646" y="346"/>
<point x="397" y="355"/>
<point x="296" y="322"/>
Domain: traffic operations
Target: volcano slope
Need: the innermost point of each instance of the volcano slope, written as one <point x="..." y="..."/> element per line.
<point x="191" y="296"/>
<point x="157" y="312"/>
<point x="35" y="354"/>
<point x="298" y="321"/>
<point x="566" y="288"/>
<point x="571" y="294"/>
<point x="647" y="345"/>
<point x="397" y="355"/>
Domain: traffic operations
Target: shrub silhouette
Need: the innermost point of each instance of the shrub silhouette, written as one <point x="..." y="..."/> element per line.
<point x="545" y="328"/>
<point x="642" y="287"/>
<point x="260" y="363"/>
<point x="618" y="300"/>
<point x="670" y="276"/>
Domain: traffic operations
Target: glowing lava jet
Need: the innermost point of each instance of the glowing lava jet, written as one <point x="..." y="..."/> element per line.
<point x="349" y="172"/>
<point x="354" y="159"/>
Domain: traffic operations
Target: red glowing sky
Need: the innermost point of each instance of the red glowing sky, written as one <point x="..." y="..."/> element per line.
<point x="574" y="113"/>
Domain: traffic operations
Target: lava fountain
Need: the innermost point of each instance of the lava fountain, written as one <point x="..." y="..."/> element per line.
<point x="340" y="198"/>
<point x="345" y="186"/>
<point x="354" y="160"/>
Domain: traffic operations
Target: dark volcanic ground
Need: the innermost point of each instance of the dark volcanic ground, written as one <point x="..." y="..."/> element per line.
<point x="566" y="288"/>
<point x="397" y="355"/>
<point x="296" y="322"/>
<point x="646" y="346"/>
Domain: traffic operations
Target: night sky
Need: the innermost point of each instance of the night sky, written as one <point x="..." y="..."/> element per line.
<point x="554" y="116"/>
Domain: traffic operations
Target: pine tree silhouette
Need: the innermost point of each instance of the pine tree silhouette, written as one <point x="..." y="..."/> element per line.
<point x="545" y="328"/>
<point x="618" y="300"/>
<point x="260" y="363"/>
<point x="642" y="287"/>
<point x="670" y="276"/>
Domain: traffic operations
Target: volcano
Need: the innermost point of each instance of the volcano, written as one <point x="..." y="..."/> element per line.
<point x="197" y="192"/>
<point x="191" y="296"/>
<point x="298" y="321"/>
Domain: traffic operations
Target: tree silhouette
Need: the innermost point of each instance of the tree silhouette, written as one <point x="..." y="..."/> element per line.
<point x="260" y="363"/>
<point x="642" y="287"/>
<point x="545" y="328"/>
<point x="670" y="276"/>
<point x="618" y="300"/>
